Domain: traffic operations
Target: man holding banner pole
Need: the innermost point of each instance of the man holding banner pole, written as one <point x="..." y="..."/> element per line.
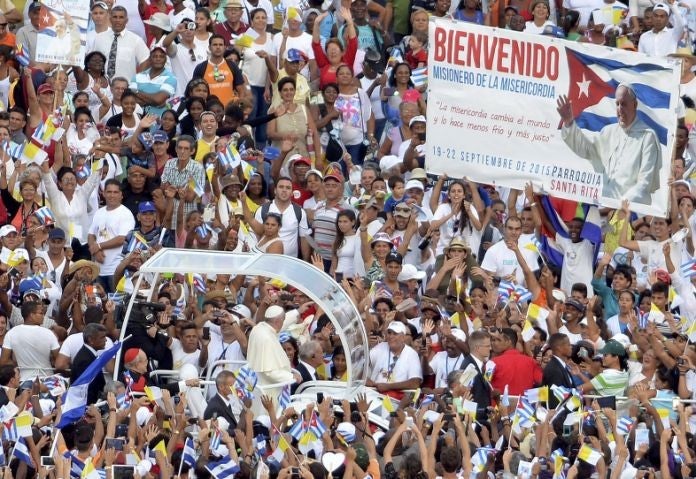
<point x="626" y="153"/>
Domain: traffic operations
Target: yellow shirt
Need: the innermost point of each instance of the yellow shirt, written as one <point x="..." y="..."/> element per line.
<point x="203" y="148"/>
<point x="611" y="239"/>
<point x="302" y="90"/>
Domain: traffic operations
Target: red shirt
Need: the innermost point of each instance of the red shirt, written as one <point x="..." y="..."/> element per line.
<point x="300" y="195"/>
<point x="519" y="371"/>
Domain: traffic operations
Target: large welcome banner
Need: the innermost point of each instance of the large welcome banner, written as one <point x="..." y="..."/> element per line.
<point x="493" y="115"/>
<point x="62" y="36"/>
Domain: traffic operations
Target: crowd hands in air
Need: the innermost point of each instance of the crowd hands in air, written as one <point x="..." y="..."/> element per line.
<point x="505" y="338"/>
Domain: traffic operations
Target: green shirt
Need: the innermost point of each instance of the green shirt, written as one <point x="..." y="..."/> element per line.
<point x="611" y="382"/>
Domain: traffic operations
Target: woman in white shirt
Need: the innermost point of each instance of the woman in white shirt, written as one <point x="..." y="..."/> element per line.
<point x="258" y="66"/>
<point x="81" y="133"/>
<point x="69" y="204"/>
<point x="455" y="217"/>
<point x="540" y="13"/>
<point x="346" y="247"/>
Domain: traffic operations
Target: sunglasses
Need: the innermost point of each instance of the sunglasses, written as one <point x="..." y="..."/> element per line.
<point x="193" y="55"/>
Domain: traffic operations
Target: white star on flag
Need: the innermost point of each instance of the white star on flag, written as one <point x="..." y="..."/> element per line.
<point x="584" y="87"/>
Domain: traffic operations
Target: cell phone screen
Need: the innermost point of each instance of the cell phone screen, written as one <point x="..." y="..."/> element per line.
<point x="123" y="472"/>
<point x="115" y="443"/>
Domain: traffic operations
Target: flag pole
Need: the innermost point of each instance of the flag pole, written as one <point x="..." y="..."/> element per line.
<point x="181" y="462"/>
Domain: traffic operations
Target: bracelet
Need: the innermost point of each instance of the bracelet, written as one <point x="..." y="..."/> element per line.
<point x="533" y="204"/>
<point x="112" y="410"/>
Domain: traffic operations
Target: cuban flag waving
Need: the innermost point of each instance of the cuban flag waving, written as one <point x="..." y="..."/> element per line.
<point x="593" y="83"/>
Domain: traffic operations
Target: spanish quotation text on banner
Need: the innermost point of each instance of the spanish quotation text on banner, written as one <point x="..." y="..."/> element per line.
<point x="584" y="122"/>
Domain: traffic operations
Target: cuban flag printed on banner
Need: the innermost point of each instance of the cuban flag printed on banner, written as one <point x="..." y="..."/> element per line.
<point x="593" y="82"/>
<point x="50" y="19"/>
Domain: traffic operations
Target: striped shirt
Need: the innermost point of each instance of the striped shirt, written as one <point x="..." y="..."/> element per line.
<point x="324" y="226"/>
<point x="164" y="82"/>
<point x="180" y="178"/>
<point x="610" y="382"/>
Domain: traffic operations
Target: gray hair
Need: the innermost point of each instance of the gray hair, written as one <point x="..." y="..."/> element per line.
<point x="453" y="377"/>
<point x="222" y="378"/>
<point x="308" y="349"/>
<point x="91" y="331"/>
<point x="113" y="387"/>
<point x="115" y="79"/>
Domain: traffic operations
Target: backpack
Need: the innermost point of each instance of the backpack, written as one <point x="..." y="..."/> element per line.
<point x="266" y="207"/>
<point x="298" y="214"/>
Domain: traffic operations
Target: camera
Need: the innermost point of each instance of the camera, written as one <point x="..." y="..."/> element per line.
<point x="144" y="313"/>
<point x="191" y="26"/>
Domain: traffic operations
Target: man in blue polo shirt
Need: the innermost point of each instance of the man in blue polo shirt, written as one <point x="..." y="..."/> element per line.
<point x="148" y="234"/>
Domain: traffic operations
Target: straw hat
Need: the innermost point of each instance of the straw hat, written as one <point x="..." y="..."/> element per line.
<point x="458" y="242"/>
<point x="83" y="263"/>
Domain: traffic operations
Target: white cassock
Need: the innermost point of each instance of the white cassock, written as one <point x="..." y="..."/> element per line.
<point x="628" y="158"/>
<point x="267" y="358"/>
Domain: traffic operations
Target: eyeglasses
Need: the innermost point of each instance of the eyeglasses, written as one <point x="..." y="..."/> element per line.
<point x="3" y="25"/>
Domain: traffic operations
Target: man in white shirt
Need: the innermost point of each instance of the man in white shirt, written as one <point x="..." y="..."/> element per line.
<point x="184" y="55"/>
<point x="108" y="232"/>
<point x="394" y="365"/>
<point x="185" y="349"/>
<point x="650" y="251"/>
<point x="501" y="261"/>
<point x="451" y="359"/>
<point x="663" y="40"/>
<point x="33" y="347"/>
<point x="130" y="49"/>
<point x="291" y="227"/>
<point x="299" y="40"/>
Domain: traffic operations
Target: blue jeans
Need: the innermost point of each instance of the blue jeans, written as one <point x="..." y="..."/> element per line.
<point x="259" y="108"/>
<point x="107" y="283"/>
<point x="357" y="153"/>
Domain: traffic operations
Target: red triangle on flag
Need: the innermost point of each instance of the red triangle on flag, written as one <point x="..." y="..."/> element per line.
<point x="586" y="87"/>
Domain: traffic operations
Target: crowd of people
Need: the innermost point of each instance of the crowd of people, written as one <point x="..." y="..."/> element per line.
<point x="507" y="335"/>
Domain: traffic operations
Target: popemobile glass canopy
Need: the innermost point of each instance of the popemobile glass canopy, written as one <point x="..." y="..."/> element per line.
<point x="317" y="285"/>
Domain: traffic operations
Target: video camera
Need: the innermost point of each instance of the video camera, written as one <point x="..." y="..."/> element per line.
<point x="144" y="313"/>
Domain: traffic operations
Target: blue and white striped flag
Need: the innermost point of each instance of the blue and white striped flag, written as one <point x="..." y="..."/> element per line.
<point x="525" y="413"/>
<point x="188" y="455"/>
<point x="505" y="289"/>
<point x="21" y="452"/>
<point x="284" y="398"/>
<point x="317" y="427"/>
<point x="76" y="466"/>
<point x="522" y="294"/>
<point x="688" y="269"/>
<point x="297" y="429"/>
<point x="75" y="399"/>
<point x="223" y="468"/>
<point x="419" y="76"/>
<point x="624" y="425"/>
<point x="215" y="440"/>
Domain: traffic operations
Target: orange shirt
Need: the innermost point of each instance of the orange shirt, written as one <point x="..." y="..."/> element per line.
<point x="220" y="80"/>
